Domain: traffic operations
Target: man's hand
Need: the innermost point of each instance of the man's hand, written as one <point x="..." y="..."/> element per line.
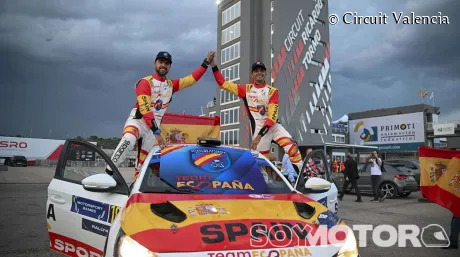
<point x="210" y="56"/>
<point x="255" y="142"/>
<point x="160" y="140"/>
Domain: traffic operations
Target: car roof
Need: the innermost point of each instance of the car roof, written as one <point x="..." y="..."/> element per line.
<point x="156" y="155"/>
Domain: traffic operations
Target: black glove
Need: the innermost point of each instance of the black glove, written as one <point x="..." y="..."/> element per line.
<point x="155" y="128"/>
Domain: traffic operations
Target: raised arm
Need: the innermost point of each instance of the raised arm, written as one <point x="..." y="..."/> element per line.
<point x="190" y="80"/>
<point x="236" y="89"/>
<point x="143" y="94"/>
<point x="272" y="111"/>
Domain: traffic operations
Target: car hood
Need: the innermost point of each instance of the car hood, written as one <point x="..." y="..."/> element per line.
<point x="197" y="223"/>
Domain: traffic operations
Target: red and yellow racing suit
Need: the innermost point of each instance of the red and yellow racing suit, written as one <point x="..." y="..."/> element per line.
<point x="154" y="94"/>
<point x="262" y="104"/>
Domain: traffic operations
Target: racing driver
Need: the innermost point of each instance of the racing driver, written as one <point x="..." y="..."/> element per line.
<point x="261" y="100"/>
<point x="154" y="94"/>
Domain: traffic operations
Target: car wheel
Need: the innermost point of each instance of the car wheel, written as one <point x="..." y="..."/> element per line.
<point x="389" y="189"/>
<point x="404" y="194"/>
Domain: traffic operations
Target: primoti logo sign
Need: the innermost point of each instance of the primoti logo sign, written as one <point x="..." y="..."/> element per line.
<point x="395" y="129"/>
<point x="369" y="134"/>
<point x="13" y="144"/>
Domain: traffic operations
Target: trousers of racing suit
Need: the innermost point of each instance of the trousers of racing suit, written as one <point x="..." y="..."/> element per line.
<point x="262" y="104"/>
<point x="154" y="93"/>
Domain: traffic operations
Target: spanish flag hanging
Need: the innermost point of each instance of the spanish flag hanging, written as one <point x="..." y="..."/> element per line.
<point x="425" y="94"/>
<point x="440" y="177"/>
<point x="186" y="129"/>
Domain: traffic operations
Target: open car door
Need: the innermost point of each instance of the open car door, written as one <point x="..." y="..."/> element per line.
<point x="316" y="160"/>
<point x="83" y="200"/>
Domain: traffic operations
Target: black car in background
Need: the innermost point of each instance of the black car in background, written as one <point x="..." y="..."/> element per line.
<point x="16" y="161"/>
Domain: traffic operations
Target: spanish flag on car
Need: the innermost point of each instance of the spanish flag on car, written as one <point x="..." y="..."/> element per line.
<point x="440" y="177"/>
<point x="186" y="129"/>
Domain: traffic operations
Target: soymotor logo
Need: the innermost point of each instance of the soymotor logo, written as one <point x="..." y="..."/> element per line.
<point x="281" y="235"/>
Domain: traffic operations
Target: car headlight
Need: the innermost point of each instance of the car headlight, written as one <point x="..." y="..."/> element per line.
<point x="350" y="248"/>
<point x="128" y="247"/>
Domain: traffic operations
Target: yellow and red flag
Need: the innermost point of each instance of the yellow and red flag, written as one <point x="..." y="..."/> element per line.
<point x="186" y="129"/>
<point x="419" y="93"/>
<point x="425" y="94"/>
<point x="440" y="177"/>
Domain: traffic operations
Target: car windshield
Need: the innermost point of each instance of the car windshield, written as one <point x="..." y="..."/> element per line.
<point x="211" y="170"/>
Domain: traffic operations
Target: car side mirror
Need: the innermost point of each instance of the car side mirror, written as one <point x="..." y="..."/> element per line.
<point x="317" y="185"/>
<point x="99" y="183"/>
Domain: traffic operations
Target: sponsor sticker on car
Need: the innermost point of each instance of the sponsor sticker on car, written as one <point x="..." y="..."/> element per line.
<point x="95" y="227"/>
<point x="94" y="209"/>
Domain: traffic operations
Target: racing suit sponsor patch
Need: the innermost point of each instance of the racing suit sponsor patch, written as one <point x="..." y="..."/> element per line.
<point x="120" y="151"/>
<point x="95" y="227"/>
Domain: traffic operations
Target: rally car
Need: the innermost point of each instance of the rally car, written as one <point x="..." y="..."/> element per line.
<point x="200" y="199"/>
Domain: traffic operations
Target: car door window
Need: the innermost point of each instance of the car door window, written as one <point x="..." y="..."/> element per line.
<point x="409" y="165"/>
<point x="81" y="162"/>
<point x="315" y="161"/>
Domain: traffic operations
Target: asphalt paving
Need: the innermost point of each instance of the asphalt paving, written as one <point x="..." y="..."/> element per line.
<point x="23" y="195"/>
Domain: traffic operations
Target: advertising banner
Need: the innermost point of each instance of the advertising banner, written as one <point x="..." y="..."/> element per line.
<point x="31" y="148"/>
<point x="404" y="132"/>
<point x="35" y="148"/>
<point x="444" y="129"/>
<point x="302" y="69"/>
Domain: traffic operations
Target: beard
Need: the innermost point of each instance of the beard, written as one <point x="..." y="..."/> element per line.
<point x="161" y="72"/>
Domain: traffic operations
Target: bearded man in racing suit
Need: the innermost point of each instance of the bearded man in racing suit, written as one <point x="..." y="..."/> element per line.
<point x="261" y="100"/>
<point x="154" y="94"/>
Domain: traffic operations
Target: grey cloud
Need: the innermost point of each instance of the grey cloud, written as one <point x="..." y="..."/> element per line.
<point x="382" y="66"/>
<point x="72" y="67"/>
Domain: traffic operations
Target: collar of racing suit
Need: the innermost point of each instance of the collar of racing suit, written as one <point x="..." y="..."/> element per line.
<point x="260" y="85"/>
<point x="157" y="77"/>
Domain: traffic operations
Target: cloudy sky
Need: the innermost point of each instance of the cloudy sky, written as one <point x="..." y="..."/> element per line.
<point x="69" y="67"/>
